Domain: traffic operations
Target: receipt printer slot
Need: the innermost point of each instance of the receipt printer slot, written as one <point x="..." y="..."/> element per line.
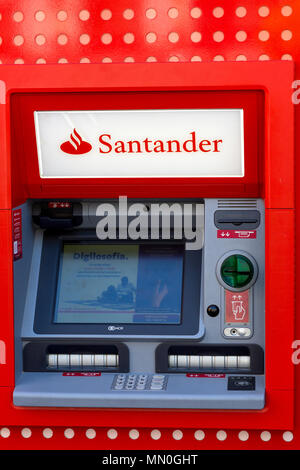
<point x="237" y="219"/>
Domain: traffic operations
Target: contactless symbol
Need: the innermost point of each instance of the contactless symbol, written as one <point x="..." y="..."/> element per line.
<point x="75" y="146"/>
<point x="237" y="307"/>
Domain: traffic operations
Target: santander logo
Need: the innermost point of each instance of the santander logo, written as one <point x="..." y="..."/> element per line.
<point x="108" y="145"/>
<point x="75" y="146"/>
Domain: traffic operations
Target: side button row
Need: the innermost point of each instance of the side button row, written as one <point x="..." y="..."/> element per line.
<point x="209" y="362"/>
<point x="56" y="361"/>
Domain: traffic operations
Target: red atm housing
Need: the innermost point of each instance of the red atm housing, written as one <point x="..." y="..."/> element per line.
<point x="263" y="90"/>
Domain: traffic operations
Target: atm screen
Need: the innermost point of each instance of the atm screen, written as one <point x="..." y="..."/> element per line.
<point x="133" y="284"/>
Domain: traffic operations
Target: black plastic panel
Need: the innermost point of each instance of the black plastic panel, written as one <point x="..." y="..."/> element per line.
<point x="254" y="351"/>
<point x="35" y="354"/>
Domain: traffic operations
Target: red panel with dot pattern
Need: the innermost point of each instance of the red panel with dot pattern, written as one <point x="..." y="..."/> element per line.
<point x="110" y="31"/>
<point x="51" y="31"/>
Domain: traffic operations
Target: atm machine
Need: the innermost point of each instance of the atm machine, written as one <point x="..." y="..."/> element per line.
<point x="148" y="208"/>
<point x="145" y="317"/>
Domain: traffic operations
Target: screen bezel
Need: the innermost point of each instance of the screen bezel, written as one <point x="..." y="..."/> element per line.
<point x="48" y="283"/>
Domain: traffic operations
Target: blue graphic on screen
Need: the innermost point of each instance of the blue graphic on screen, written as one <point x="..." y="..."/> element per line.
<point x="120" y="284"/>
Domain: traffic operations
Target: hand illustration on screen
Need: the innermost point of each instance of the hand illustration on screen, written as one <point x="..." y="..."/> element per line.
<point x="161" y="290"/>
<point x="238" y="309"/>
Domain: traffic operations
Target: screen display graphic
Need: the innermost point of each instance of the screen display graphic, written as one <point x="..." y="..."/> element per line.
<point x="120" y="284"/>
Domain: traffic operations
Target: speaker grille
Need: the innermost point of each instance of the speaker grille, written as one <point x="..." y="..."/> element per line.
<point x="237" y="203"/>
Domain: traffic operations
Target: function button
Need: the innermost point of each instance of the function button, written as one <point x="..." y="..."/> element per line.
<point x="207" y="362"/>
<point x="219" y="362"/>
<point x="156" y="386"/>
<point x="75" y="360"/>
<point x="112" y="360"/>
<point x="244" y="362"/>
<point x="87" y="360"/>
<point x="182" y="361"/>
<point x="52" y="360"/>
<point x="231" y="362"/>
<point x="99" y="360"/>
<point x="63" y="360"/>
<point x="194" y="362"/>
<point x="157" y="382"/>
<point x="173" y="360"/>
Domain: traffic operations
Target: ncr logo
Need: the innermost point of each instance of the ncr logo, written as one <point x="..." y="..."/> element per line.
<point x="76" y="145"/>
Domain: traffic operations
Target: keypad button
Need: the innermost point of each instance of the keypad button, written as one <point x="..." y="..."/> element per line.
<point x="119" y="386"/>
<point x="139" y="382"/>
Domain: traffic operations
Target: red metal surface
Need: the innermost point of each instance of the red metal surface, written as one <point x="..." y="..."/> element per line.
<point x="31" y="32"/>
<point x="6" y="329"/>
<point x="51" y="31"/>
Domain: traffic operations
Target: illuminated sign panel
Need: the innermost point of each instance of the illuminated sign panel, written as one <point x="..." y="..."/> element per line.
<point x="143" y="143"/>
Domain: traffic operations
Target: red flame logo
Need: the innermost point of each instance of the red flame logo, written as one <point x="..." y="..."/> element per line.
<point x="75" y="146"/>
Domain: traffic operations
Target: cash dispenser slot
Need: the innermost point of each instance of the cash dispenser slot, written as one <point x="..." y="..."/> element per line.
<point x="237" y="219"/>
<point x="210" y="359"/>
<point x="45" y="357"/>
